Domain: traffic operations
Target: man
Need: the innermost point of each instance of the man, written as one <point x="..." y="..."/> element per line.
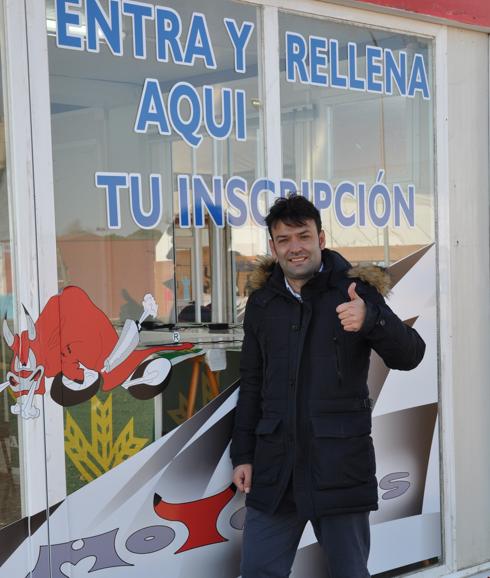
<point x="301" y="446"/>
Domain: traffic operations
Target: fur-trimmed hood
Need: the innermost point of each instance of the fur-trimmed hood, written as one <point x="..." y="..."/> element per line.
<point x="374" y="275"/>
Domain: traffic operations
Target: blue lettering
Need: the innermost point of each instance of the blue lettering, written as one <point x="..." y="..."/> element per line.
<point x="240" y="115"/>
<point x="374" y="56"/>
<point x="318" y="60"/>
<point x="186" y="128"/>
<point x="239" y="38"/>
<point x="112" y="182"/>
<point x="305" y="190"/>
<point x="110" y="28"/>
<point x="379" y="189"/>
<point x="361" y="195"/>
<point x="259" y="186"/>
<point x="401" y="204"/>
<point x="395" y="72"/>
<point x="168" y="29"/>
<point x="236" y="201"/>
<point x="418" y="78"/>
<point x="146" y="219"/>
<point x="151" y="109"/>
<point x="296" y="58"/>
<point x="215" y="130"/>
<point x="355" y="83"/>
<point x="322" y="194"/>
<point x="139" y="13"/>
<point x="199" y="43"/>
<point x="287" y="187"/>
<point x="337" y="80"/>
<point x="65" y="18"/>
<point x="203" y="198"/>
<point x="184" y="203"/>
<point x="344" y="188"/>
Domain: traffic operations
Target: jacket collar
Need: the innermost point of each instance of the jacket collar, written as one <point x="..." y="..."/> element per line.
<point x="268" y="275"/>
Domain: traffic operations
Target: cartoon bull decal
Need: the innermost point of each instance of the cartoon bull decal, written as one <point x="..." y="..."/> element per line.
<point x="74" y="342"/>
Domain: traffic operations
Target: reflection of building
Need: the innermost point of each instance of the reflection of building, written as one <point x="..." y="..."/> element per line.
<point x="95" y="263"/>
<point x="69" y="115"/>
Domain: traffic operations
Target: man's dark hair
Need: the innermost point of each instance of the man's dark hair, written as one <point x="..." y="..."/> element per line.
<point x="293" y="210"/>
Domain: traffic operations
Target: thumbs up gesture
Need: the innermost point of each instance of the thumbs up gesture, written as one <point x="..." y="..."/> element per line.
<point x="353" y="312"/>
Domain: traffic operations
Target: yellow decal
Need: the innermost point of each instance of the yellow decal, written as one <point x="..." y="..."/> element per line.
<point x="179" y="414"/>
<point x="95" y="458"/>
<point x="206" y="392"/>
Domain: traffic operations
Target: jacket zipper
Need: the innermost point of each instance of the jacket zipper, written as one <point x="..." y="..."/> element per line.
<point x="291" y="442"/>
<point x="337" y="360"/>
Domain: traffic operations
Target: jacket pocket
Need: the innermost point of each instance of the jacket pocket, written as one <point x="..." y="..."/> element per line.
<point x="269" y="451"/>
<point x="342" y="450"/>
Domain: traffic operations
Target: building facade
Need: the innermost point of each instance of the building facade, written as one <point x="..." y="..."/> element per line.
<point x="141" y="143"/>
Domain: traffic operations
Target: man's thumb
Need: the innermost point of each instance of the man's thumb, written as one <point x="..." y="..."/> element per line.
<point x="352" y="292"/>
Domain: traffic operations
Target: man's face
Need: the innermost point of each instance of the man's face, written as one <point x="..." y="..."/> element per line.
<point x="297" y="248"/>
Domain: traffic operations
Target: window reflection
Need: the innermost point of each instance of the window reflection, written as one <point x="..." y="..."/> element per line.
<point x="10" y="486"/>
<point x="196" y="274"/>
<point x="336" y="135"/>
<point x="94" y="103"/>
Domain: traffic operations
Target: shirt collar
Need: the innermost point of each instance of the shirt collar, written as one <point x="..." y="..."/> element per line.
<point x="292" y="291"/>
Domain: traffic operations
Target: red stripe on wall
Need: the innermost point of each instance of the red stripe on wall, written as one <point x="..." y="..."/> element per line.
<point x="474" y="12"/>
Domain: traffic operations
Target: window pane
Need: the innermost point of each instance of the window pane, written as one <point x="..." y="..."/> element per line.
<point x="112" y="242"/>
<point x="342" y="135"/>
<point x="95" y="99"/>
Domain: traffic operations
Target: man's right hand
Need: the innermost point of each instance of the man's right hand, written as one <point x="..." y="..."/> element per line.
<point x="242" y="477"/>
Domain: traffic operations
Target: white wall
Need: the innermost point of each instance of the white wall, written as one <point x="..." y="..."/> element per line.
<point x="468" y="103"/>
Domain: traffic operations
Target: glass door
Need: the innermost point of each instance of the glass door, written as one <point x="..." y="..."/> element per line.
<point x="23" y="510"/>
<point x="10" y="478"/>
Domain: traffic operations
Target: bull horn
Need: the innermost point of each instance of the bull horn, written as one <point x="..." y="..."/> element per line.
<point x="31" y="328"/>
<point x="7" y="334"/>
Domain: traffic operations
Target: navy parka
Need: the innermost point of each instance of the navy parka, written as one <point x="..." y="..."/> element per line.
<point x="303" y="412"/>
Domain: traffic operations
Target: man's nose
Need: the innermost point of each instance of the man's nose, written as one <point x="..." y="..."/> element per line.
<point x="295" y="246"/>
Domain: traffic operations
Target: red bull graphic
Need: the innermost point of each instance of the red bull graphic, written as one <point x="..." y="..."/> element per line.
<point x="74" y="343"/>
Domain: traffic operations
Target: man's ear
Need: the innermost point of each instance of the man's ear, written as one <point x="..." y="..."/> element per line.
<point x="323" y="242"/>
<point x="273" y="249"/>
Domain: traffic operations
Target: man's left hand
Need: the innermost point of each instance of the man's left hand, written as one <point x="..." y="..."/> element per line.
<point x="352" y="313"/>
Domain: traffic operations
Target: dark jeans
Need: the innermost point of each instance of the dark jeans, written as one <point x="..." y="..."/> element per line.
<point x="270" y="542"/>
